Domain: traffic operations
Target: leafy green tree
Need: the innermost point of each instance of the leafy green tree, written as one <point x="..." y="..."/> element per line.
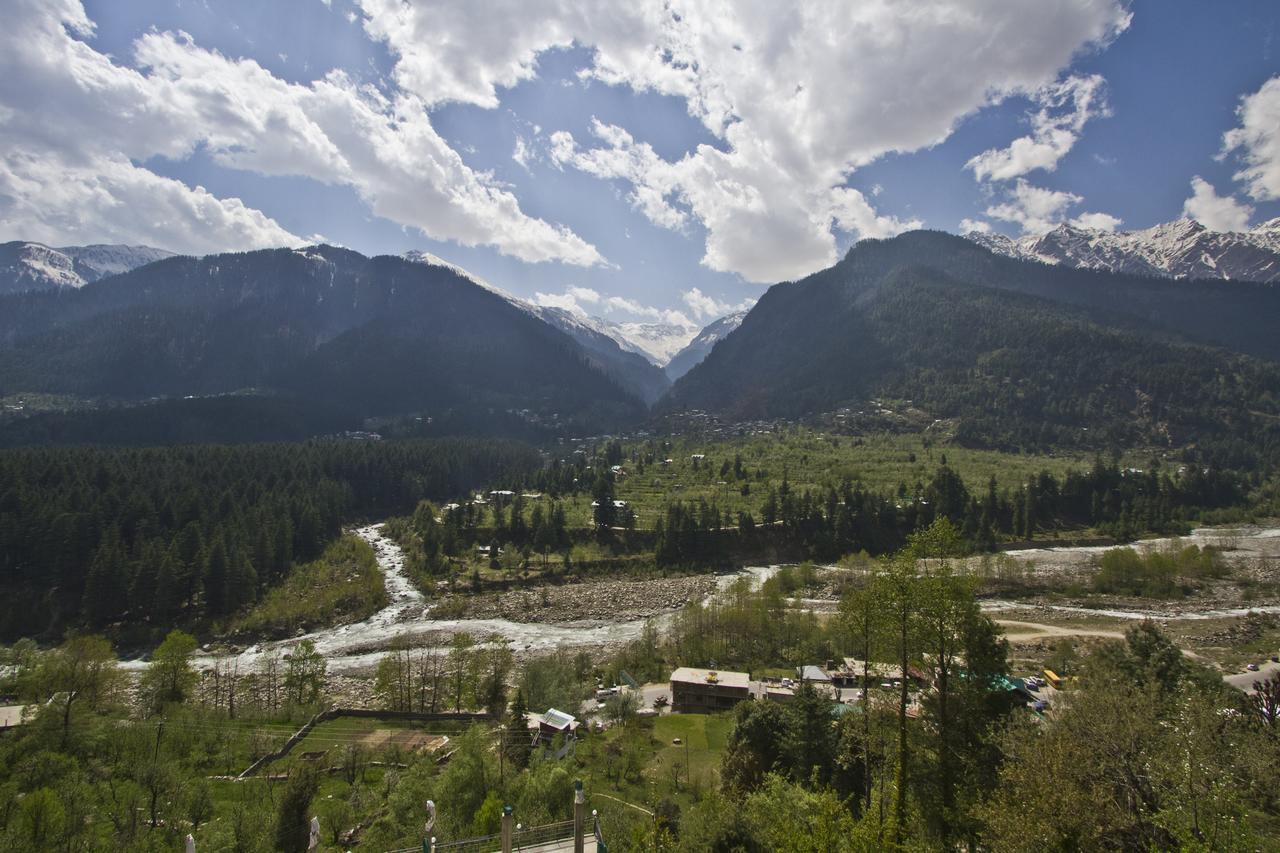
<point x="304" y="674"/>
<point x="82" y="671"/>
<point x="170" y="676"/>
<point x="40" y="820"/>
<point x="461" y="669"/>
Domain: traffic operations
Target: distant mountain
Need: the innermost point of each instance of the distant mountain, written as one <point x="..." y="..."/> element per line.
<point x="35" y="266"/>
<point x="1182" y="249"/>
<point x="610" y="352"/>
<point x="605" y="343"/>
<point x="373" y="337"/>
<point x="698" y="348"/>
<point x="1013" y="354"/>
<point x="658" y="341"/>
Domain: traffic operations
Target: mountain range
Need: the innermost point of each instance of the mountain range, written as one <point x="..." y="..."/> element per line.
<point x="35" y="266"/>
<point x="1181" y="249"/>
<point x="698" y="348"/>
<point x="375" y="337"/>
<point x="1040" y="344"/>
<point x="1008" y="352"/>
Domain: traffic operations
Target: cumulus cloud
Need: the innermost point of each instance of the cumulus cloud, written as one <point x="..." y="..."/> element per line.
<point x="109" y="200"/>
<point x="1097" y="221"/>
<point x="1065" y="107"/>
<point x="1215" y="212"/>
<point x="798" y="95"/>
<point x="67" y="104"/>
<point x="1257" y="140"/>
<point x="653" y="180"/>
<point x="1036" y="210"/>
<point x="705" y="307"/>
<point x="970" y="226"/>
<point x="566" y="301"/>
<point x="621" y="304"/>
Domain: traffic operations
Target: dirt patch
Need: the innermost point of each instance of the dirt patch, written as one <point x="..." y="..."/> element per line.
<point x="404" y="739"/>
<point x="602" y="601"/>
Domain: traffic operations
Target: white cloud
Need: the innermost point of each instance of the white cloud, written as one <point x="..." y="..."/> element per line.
<point x="584" y="294"/>
<point x="621" y="304"/>
<point x="67" y="104"/>
<point x="1258" y="141"/>
<point x="1097" y="221"/>
<point x="797" y="94"/>
<point x="969" y="226"/>
<point x="522" y="154"/>
<point x="1037" y="210"/>
<point x="705" y="307"/>
<point x="1215" y="212"/>
<point x="851" y="212"/>
<point x="574" y="298"/>
<point x="565" y="301"/>
<point x="653" y="180"/>
<point x="1065" y="107"/>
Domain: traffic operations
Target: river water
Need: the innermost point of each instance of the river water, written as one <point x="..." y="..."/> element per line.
<point x="358" y="646"/>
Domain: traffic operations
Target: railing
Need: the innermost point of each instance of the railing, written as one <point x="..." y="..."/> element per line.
<point x="521" y="839"/>
<point x="482" y="844"/>
<point x="535" y="835"/>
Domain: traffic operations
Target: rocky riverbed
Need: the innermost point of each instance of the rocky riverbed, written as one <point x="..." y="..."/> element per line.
<point x="598" y="602"/>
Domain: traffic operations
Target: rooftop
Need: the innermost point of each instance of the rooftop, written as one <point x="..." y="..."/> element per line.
<point x="717" y="677"/>
<point x="558" y="719"/>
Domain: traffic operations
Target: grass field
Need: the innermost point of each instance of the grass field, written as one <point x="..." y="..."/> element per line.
<point x="641" y="763"/>
<point x="808" y="460"/>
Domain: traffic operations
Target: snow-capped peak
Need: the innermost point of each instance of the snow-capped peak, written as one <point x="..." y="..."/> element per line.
<point x="656" y="342"/>
<point x="426" y="258"/>
<point x="1183" y="248"/>
<point x="35" y="266"/>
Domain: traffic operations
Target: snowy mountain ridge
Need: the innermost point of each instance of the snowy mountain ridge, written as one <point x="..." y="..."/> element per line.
<point x="1180" y="249"/>
<point x="655" y="342"/>
<point x="700" y="347"/>
<point x="26" y="265"/>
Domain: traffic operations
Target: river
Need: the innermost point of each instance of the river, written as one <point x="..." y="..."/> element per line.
<point x="358" y="646"/>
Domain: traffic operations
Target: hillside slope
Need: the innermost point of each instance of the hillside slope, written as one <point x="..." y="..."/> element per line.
<point x="966" y="335"/>
<point x="377" y="336"/>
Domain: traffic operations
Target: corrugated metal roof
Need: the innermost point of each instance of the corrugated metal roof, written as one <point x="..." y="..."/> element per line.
<point x="558" y="719"/>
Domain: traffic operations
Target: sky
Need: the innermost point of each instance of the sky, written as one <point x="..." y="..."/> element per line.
<point x="644" y="162"/>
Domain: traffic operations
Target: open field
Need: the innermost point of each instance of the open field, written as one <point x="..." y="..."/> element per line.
<point x="808" y="460"/>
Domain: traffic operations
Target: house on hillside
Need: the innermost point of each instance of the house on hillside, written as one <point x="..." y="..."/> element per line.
<point x="702" y="690"/>
<point x="555" y="723"/>
<point x="11" y="716"/>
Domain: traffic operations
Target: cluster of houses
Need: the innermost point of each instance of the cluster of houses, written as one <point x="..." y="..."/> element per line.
<point x="696" y="690"/>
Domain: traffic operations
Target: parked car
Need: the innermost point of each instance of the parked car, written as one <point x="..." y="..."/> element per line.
<point x="1253" y="667"/>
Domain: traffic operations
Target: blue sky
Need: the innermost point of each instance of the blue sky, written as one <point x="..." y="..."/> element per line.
<point x="641" y="162"/>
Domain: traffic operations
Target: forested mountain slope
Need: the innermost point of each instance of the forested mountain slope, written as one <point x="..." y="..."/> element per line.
<point x="1020" y="354"/>
<point x="377" y="336"/>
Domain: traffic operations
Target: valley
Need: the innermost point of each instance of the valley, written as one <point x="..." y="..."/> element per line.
<point x="370" y="530"/>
